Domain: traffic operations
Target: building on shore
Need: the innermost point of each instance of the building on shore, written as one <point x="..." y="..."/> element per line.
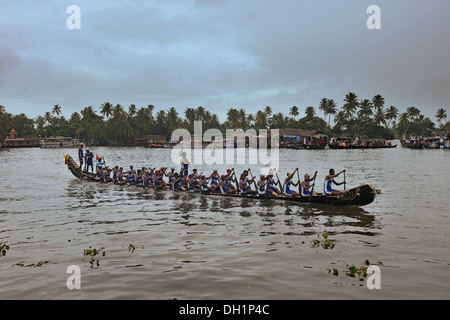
<point x="150" y="140"/>
<point x="293" y="138"/>
<point x="13" y="142"/>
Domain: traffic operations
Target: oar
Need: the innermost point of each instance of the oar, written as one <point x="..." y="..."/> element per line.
<point x="253" y="178"/>
<point x="237" y="183"/>
<point x="312" y="190"/>
<point x="345" y="187"/>
<point x="279" y="183"/>
<point x="299" y="184"/>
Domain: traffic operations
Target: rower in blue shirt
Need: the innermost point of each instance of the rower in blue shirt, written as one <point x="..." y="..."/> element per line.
<point x="329" y="180"/>
<point x="307" y="186"/>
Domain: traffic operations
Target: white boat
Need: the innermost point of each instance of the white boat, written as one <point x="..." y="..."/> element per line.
<point x="59" y="143"/>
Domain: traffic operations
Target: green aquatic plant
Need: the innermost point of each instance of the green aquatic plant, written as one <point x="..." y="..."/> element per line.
<point x="93" y="253"/>
<point x="361" y="271"/>
<point x="323" y="241"/>
<point x="31" y="265"/>
<point x="3" y="249"/>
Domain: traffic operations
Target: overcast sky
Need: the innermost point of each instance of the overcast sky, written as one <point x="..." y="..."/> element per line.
<point x="222" y="53"/>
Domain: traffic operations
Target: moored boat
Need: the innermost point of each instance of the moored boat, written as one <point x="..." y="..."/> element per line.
<point x="412" y="144"/>
<point x="59" y="143"/>
<point x="358" y="196"/>
<point x="446" y="144"/>
<point x="432" y="143"/>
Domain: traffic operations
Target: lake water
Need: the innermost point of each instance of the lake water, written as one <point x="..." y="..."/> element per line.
<point x="190" y="246"/>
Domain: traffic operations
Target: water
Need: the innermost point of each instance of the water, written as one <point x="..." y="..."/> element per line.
<point x="190" y="246"/>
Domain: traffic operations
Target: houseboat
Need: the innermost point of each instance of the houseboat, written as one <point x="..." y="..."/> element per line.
<point x="59" y="143"/>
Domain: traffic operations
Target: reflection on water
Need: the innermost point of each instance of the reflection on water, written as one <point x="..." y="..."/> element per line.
<point x="193" y="206"/>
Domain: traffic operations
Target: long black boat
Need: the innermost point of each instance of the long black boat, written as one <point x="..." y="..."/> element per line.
<point x="358" y="196"/>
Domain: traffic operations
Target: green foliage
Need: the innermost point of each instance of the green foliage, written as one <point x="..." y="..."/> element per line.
<point x="93" y="252"/>
<point x="3" y="249"/>
<point x="323" y="241"/>
<point x="359" y="272"/>
<point x="372" y="130"/>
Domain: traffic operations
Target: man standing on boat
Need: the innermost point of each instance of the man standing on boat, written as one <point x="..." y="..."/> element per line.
<point x="184" y="166"/>
<point x="329" y="180"/>
<point x="89" y="160"/>
<point x="81" y="155"/>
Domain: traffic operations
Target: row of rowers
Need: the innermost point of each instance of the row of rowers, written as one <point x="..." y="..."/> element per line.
<point x="215" y="183"/>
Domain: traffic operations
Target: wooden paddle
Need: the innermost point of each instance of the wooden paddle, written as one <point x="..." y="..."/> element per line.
<point x="237" y="182"/>
<point x="345" y="186"/>
<point x="279" y="183"/>
<point x="253" y="178"/>
<point x="299" y="184"/>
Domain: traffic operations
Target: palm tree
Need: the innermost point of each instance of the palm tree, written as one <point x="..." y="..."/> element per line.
<point x="189" y="114"/>
<point x="56" y="109"/>
<point x="441" y="114"/>
<point x="172" y="119"/>
<point x="48" y="117"/>
<point x="403" y="121"/>
<point x="391" y="114"/>
<point x="261" y="120"/>
<point x="331" y="108"/>
<point x="413" y="113"/>
<point x="132" y="110"/>
<point x="310" y="112"/>
<point x="233" y="118"/>
<point x="350" y="105"/>
<point x="378" y="102"/>
<point x="268" y="111"/>
<point x="379" y="117"/>
<point x="323" y="106"/>
<point x="40" y="123"/>
<point x="294" y="111"/>
<point x="365" y="110"/>
<point x="106" y="109"/>
<point x="118" y="111"/>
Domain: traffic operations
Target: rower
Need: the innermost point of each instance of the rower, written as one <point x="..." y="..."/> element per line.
<point x="171" y="176"/>
<point x="271" y="183"/>
<point x="99" y="172"/>
<point x="287" y="185"/>
<point x="138" y="178"/>
<point x="214" y="177"/>
<point x="192" y="183"/>
<point x="307" y="186"/>
<point x="329" y="180"/>
<point x="203" y="184"/>
<point x="244" y="184"/>
<point x="159" y="181"/>
<point x="262" y="184"/>
<point x="106" y="177"/>
<point x="120" y="177"/>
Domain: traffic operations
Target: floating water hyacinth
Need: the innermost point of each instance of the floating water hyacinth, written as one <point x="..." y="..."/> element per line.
<point x="94" y="252"/>
<point x="3" y="249"/>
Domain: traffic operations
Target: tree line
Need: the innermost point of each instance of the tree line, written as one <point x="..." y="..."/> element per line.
<point x="116" y="125"/>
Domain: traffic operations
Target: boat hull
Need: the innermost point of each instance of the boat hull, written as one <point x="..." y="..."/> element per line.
<point x="358" y="196"/>
<point x="433" y="145"/>
<point x="446" y="145"/>
<point x="411" y="145"/>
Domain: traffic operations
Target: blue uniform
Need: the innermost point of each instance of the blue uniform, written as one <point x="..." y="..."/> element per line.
<point x="327" y="187"/>
<point x="262" y="190"/>
<point x="306" y="192"/>
<point x="287" y="190"/>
